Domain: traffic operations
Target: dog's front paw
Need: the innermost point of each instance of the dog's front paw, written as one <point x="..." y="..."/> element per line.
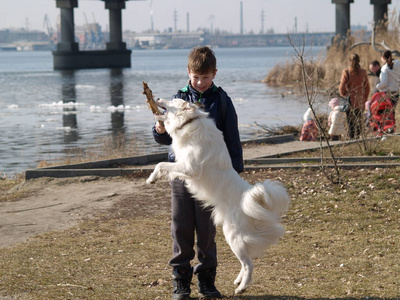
<point x="151" y="180"/>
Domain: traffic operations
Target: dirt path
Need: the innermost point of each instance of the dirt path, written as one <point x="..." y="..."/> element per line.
<point x="57" y="204"/>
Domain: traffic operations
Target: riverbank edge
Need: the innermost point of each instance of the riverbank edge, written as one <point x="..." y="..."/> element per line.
<point x="128" y="165"/>
<point x="255" y="157"/>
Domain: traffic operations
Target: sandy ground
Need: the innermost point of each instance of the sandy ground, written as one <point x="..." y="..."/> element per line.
<point x="57" y="204"/>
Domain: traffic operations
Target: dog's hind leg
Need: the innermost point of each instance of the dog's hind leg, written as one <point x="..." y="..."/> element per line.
<point x="238" y="247"/>
<point x="238" y="279"/>
<point x="245" y="274"/>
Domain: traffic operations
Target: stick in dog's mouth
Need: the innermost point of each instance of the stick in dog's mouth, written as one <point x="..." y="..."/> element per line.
<point x="159" y="104"/>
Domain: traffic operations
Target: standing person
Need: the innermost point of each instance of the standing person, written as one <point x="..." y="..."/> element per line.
<point x="375" y="69"/>
<point x="189" y="218"/>
<point x="354" y="83"/>
<point x="390" y="77"/>
<point x="336" y="121"/>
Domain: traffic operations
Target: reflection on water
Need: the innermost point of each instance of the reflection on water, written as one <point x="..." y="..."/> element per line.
<point x="70" y="112"/>
<point x="118" y="128"/>
<point x="68" y="94"/>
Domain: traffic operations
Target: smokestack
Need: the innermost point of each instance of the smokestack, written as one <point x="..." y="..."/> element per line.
<point x="241" y="17"/>
<point x="187" y="23"/>
<point x="152" y="23"/>
<point x="175" y="20"/>
<point x="262" y="21"/>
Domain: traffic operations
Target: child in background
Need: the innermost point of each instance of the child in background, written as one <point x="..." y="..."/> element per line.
<point x="309" y="132"/>
<point x="337" y="120"/>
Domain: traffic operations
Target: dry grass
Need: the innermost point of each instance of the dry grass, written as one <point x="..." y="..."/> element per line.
<point x="342" y="243"/>
<point x="113" y="146"/>
<point x="8" y="192"/>
<point x="289" y="73"/>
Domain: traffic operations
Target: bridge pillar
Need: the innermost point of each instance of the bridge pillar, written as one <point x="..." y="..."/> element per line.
<point x="342" y="15"/>
<point x="68" y="57"/>
<point x="115" y="18"/>
<point x="381" y="12"/>
<point x="67" y="25"/>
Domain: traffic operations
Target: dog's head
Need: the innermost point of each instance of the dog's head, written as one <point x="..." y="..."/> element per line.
<point x="178" y="112"/>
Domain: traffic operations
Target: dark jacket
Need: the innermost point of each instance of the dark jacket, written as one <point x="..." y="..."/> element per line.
<point x="220" y="108"/>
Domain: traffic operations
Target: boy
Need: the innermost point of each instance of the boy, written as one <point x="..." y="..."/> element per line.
<point x="189" y="218"/>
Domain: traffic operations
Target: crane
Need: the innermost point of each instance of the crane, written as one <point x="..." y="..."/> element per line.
<point x="50" y="30"/>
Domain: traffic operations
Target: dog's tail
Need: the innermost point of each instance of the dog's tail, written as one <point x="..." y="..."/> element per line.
<point x="266" y="201"/>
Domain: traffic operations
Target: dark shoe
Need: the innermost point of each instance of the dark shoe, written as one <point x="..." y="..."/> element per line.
<point x="206" y="282"/>
<point x="181" y="279"/>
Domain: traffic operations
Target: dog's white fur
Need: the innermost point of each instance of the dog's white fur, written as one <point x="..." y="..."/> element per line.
<point x="249" y="215"/>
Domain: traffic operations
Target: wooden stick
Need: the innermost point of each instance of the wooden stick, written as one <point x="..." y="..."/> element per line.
<point x="150" y="100"/>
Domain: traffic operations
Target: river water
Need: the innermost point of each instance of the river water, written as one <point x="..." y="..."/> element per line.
<point x="45" y="113"/>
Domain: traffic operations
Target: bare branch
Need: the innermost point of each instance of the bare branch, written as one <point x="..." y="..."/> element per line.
<point x="374" y="44"/>
<point x="310" y="80"/>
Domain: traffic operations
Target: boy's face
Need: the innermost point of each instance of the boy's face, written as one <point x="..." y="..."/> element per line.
<point x="374" y="68"/>
<point x="201" y="82"/>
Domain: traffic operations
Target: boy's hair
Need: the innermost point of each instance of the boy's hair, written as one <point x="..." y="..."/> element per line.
<point x="202" y="60"/>
<point x="375" y="63"/>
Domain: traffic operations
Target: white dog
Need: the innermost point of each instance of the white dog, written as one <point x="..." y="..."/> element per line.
<point x="249" y="215"/>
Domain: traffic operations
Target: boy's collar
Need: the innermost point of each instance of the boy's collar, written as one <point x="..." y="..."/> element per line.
<point x="189" y="88"/>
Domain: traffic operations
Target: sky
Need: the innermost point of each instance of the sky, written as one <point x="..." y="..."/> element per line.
<point x="280" y="15"/>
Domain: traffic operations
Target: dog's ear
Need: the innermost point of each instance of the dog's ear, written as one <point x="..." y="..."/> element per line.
<point x="189" y="106"/>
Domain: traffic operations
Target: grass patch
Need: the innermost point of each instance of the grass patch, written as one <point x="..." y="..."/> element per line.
<point x="9" y="190"/>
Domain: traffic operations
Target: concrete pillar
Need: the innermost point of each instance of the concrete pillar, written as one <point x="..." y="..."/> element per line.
<point x="115" y="17"/>
<point x="68" y="56"/>
<point x="342" y="16"/>
<point x="67" y="25"/>
<point x="381" y="12"/>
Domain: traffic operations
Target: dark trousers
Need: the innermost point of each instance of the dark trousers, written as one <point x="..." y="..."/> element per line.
<point x="354" y="122"/>
<point x="190" y="219"/>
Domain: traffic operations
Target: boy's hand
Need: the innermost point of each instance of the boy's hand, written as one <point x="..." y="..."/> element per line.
<point x="160" y="128"/>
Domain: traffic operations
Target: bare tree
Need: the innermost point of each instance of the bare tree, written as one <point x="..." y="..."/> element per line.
<point x="310" y="85"/>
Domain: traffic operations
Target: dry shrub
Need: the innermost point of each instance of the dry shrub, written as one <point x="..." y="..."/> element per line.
<point x="290" y="73"/>
<point x="327" y="73"/>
